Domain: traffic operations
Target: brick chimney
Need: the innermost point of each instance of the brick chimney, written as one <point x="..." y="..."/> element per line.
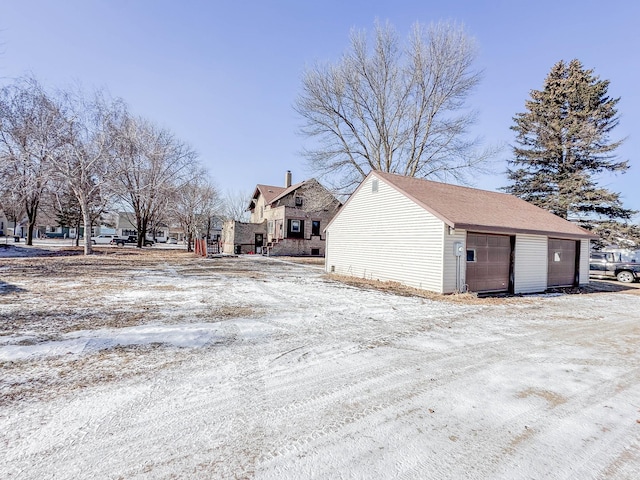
<point x="287" y="179"/>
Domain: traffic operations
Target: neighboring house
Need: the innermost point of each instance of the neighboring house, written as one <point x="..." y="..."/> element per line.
<point x="243" y="237"/>
<point x="447" y="238"/>
<point x="4" y="224"/>
<point x="285" y="220"/>
<point x="125" y="225"/>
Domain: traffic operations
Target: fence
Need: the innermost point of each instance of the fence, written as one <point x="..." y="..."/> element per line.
<point x="204" y="247"/>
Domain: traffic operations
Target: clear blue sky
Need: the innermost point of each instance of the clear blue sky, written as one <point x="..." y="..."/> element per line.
<point x="223" y="75"/>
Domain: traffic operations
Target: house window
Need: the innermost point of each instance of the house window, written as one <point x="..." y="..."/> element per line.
<point x="298" y="201"/>
<point x="471" y="255"/>
<point x="557" y="257"/>
<point x="295" y="228"/>
<point x="270" y="227"/>
<point x="261" y="212"/>
<point x="374" y="185"/>
<point x="315" y="227"/>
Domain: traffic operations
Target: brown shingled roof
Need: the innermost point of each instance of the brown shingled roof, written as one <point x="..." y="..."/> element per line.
<point x="482" y="210"/>
<point x="269" y="192"/>
<point x="286" y="191"/>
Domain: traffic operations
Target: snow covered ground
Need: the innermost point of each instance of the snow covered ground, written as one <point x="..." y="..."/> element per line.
<point x="163" y="365"/>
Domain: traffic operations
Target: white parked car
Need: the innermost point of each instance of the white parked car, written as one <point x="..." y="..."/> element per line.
<point x="172" y="240"/>
<point x="103" y="239"/>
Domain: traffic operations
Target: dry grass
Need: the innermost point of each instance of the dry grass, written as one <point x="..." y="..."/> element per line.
<point x="395" y="288"/>
<point x="55" y="376"/>
<point x="45" y="297"/>
<point x="304" y="260"/>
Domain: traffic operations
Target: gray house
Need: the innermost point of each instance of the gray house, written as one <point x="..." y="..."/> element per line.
<point x="447" y="238"/>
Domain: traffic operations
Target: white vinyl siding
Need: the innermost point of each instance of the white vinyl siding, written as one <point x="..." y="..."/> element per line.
<point x="530" y="268"/>
<point x="384" y="235"/>
<point x="584" y="262"/>
<point x="449" y="260"/>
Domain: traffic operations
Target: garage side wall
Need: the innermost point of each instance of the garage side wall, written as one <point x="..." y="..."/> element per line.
<point x="383" y="235"/>
<point x="585" y="248"/>
<point x="530" y="266"/>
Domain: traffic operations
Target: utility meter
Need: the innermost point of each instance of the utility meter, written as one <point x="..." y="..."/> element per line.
<point x="457" y="249"/>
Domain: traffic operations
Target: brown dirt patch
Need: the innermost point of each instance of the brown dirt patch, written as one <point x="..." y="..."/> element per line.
<point x="396" y="288"/>
<point x="304" y="260"/>
<point x="594" y="287"/>
<point x="554" y="399"/>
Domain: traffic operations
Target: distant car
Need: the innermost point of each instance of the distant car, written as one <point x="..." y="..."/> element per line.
<point x="172" y="240"/>
<point x="610" y="265"/>
<point x="132" y="239"/>
<point x="103" y="239"/>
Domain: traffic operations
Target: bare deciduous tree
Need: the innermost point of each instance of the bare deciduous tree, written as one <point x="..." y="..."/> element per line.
<point x="11" y="203"/>
<point x="316" y="197"/>
<point x="84" y="161"/>
<point x="394" y="108"/>
<point x="152" y="166"/>
<point x="212" y="210"/>
<point x="235" y="205"/>
<point x="28" y="123"/>
<point x="91" y="147"/>
<point x="193" y="205"/>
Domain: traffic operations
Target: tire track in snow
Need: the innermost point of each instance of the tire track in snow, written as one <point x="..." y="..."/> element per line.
<point x="303" y="402"/>
<point x="466" y="371"/>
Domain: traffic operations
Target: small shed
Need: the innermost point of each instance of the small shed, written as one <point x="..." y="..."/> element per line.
<point x="447" y="238"/>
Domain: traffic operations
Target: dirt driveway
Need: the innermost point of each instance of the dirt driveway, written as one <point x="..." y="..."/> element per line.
<point x="131" y="364"/>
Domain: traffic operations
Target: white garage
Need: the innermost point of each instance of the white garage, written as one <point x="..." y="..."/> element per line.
<point x="446" y="238"/>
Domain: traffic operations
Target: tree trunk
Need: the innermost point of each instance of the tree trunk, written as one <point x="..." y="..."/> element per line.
<point x="88" y="247"/>
<point x="86" y="216"/>
<point x="141" y="225"/>
<point x="32" y="212"/>
<point x="30" y="227"/>
<point x="78" y="224"/>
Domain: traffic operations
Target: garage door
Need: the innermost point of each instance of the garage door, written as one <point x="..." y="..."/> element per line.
<point x="562" y="263"/>
<point x="488" y="262"/>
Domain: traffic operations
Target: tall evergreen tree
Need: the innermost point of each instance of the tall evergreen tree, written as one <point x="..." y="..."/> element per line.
<point x="562" y="143"/>
<point x="68" y="211"/>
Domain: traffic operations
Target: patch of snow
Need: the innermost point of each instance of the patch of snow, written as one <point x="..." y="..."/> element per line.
<point x="193" y="335"/>
<point x="324" y="381"/>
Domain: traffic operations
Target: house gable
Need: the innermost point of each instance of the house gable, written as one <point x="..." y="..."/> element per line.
<point x="263" y="195"/>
